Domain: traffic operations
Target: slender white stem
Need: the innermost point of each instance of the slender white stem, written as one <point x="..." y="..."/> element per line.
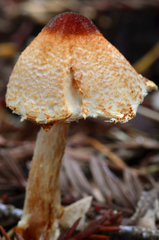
<point x="42" y="204"/>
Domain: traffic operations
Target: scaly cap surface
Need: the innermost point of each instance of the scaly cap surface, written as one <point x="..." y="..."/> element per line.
<point x="71" y="71"/>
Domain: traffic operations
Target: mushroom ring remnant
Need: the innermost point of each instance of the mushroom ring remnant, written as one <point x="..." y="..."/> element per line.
<point x="68" y="72"/>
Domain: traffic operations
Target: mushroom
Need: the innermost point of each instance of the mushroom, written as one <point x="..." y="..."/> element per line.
<point x="68" y="72"/>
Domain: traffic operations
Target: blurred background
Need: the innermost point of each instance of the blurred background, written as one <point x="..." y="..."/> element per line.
<point x="114" y="163"/>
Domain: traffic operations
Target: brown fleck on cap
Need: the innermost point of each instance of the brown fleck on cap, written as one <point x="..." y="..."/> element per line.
<point x="71" y="71"/>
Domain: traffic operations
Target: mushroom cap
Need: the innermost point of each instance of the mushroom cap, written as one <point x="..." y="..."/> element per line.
<point x="70" y="71"/>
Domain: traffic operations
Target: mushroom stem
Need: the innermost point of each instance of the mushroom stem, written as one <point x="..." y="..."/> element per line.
<point x="42" y="205"/>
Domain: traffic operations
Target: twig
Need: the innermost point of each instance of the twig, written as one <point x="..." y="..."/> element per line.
<point x="18" y="236"/>
<point x="4" y="233"/>
<point x="99" y="179"/>
<point x="116" y="186"/>
<point x="148" y="59"/>
<point x="9" y="162"/>
<point x="95" y="236"/>
<point x="68" y="233"/>
<point x="143" y="205"/>
<point x="149" y="113"/>
<point x="139" y="232"/>
<point x="106" y="151"/>
<point x="94" y="226"/>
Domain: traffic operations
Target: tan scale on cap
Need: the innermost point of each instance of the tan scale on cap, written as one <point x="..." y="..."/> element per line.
<point x="71" y="71"/>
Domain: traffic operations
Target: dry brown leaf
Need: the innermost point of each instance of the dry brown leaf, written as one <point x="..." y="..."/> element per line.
<point x="99" y="178"/>
<point x="9" y="162"/>
<point x="75" y="211"/>
<point x="63" y="180"/>
<point x="71" y="175"/>
<point x="116" y="186"/>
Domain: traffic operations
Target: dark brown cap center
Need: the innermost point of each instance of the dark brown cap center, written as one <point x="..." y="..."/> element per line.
<point x="71" y="24"/>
